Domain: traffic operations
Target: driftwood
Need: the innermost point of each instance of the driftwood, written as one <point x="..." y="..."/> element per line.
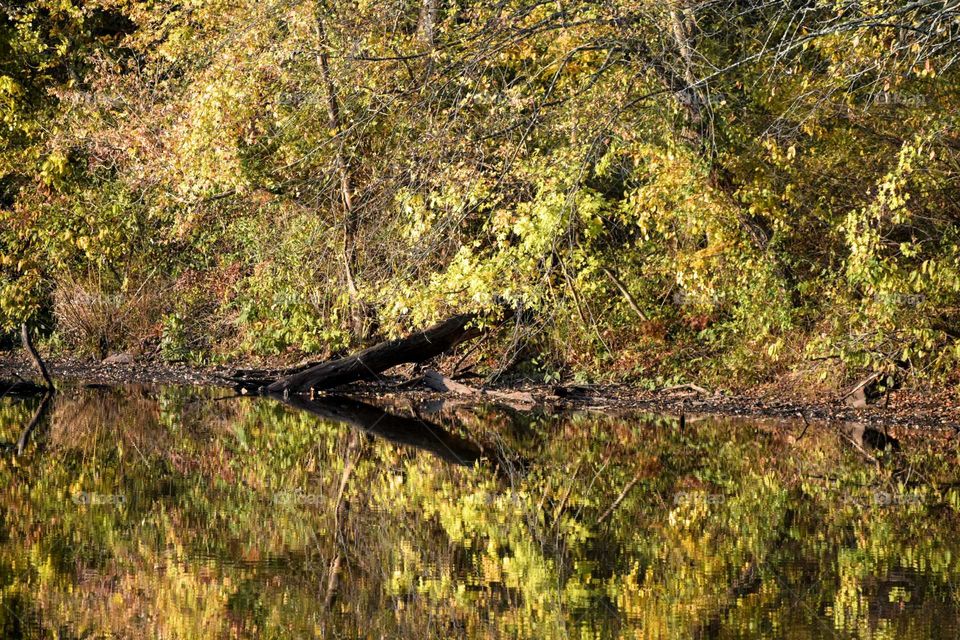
<point x="367" y="364"/>
<point x="686" y="387"/>
<point x="439" y="382"/>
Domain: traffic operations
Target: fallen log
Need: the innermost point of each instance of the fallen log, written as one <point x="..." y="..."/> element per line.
<point x="686" y="387"/>
<point x="439" y="382"/>
<point x="367" y="364"/>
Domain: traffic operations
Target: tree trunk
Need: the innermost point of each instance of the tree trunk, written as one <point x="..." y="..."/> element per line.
<point x="693" y="100"/>
<point x="427" y="23"/>
<point x="699" y="119"/>
<point x="350" y="223"/>
<point x="37" y="360"/>
<point x="365" y="365"/>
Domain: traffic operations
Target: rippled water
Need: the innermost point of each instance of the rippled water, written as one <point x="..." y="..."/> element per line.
<point x="170" y="512"/>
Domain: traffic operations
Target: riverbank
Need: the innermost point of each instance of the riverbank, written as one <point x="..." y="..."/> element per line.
<point x="904" y="409"/>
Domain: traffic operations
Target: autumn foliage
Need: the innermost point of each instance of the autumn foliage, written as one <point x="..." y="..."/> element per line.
<point x="692" y="188"/>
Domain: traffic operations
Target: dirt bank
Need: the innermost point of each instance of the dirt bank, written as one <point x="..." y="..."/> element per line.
<point x="910" y="409"/>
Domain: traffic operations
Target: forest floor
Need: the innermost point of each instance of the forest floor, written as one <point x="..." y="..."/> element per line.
<point x="904" y="409"/>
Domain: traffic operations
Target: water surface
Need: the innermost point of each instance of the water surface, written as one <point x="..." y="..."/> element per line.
<point x="148" y="512"/>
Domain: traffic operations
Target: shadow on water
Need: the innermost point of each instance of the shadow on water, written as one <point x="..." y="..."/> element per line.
<point x="148" y="512"/>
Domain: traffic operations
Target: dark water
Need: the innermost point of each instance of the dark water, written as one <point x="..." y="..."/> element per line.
<point x="170" y="513"/>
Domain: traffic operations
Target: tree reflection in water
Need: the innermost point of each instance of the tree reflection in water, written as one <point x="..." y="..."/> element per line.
<point x="159" y="512"/>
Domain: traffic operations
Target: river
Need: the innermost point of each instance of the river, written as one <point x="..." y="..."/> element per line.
<point x="178" y="512"/>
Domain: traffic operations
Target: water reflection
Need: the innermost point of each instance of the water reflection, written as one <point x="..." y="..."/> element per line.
<point x="146" y="512"/>
<point x="414" y="432"/>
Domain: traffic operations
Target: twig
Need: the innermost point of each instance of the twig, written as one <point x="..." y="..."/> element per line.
<point x="626" y="293"/>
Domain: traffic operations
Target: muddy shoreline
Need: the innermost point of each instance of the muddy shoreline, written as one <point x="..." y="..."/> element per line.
<point x="906" y="409"/>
